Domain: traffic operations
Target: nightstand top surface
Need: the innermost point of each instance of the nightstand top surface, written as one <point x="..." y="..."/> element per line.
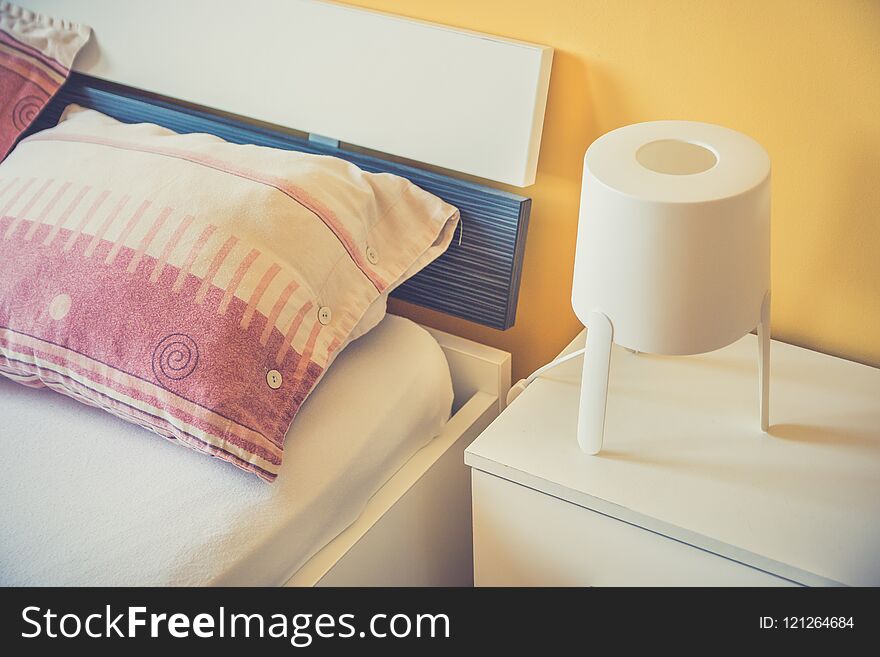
<point x="684" y="455"/>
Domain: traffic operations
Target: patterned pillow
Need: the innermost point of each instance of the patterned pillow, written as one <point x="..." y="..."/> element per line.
<point x="35" y="56"/>
<point x="196" y="287"/>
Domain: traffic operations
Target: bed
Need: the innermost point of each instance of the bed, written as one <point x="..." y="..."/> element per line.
<point x="357" y="486"/>
<point x="357" y="499"/>
<point x="129" y="529"/>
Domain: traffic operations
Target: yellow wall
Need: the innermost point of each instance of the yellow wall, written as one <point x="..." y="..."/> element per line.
<point x="800" y="76"/>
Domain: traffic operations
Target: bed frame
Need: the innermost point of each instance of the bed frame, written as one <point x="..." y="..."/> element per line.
<point x="477" y="278"/>
<point x="472" y="103"/>
<point x="435" y="95"/>
<point x="400" y="539"/>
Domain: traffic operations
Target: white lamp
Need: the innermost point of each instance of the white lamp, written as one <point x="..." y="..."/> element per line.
<point x="673" y="251"/>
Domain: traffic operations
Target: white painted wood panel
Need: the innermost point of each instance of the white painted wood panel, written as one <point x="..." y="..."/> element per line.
<point x="416" y="529"/>
<point x="419" y="524"/>
<point x="475" y="367"/>
<point x="525" y="538"/>
<point x="462" y="100"/>
<point x="684" y="455"/>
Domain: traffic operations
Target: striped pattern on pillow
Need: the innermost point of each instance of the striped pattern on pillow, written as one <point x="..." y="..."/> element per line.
<point x="197" y="288"/>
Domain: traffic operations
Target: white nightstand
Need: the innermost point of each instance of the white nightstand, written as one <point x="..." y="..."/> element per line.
<point x="687" y="490"/>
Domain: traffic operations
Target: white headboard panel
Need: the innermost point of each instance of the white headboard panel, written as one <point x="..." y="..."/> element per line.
<point x="461" y="100"/>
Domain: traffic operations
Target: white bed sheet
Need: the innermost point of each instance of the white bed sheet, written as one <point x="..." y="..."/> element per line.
<point x="87" y="499"/>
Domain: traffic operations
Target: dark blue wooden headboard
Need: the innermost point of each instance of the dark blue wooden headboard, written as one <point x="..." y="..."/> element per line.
<point x="476" y="279"/>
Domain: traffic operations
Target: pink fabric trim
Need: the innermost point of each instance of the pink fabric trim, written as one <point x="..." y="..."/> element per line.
<point x="333" y="346"/>
<point x="46" y="210"/>
<point x="291" y="332"/>
<point x="97" y="237"/>
<point x="257" y="294"/>
<point x="9" y="186"/>
<point x="31" y="73"/>
<point x="236" y="280"/>
<point x="276" y="311"/>
<point x="110" y="340"/>
<point x="11" y="202"/>
<point x="191" y="258"/>
<point x="147" y="240"/>
<point x="22" y="214"/>
<point x="169" y="246"/>
<point x="96" y="205"/>
<point x="29" y="51"/>
<point x="143" y="392"/>
<point x="308" y="350"/>
<point x="297" y="194"/>
<point x="215" y="265"/>
<point x="66" y="215"/>
<point x="120" y="241"/>
<point x="155" y="423"/>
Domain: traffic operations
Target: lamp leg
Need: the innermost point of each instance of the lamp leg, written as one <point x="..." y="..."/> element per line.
<point x="764" y="361"/>
<point x="594" y="383"/>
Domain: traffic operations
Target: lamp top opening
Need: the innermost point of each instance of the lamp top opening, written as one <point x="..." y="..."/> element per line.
<point x="676" y="157"/>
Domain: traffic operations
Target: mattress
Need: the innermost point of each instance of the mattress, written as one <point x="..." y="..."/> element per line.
<point x="96" y="501"/>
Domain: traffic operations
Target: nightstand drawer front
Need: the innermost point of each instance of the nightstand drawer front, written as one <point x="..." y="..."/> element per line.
<point x="525" y="538"/>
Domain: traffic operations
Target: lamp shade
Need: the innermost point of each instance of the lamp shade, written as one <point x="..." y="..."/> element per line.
<point x="674" y="236"/>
